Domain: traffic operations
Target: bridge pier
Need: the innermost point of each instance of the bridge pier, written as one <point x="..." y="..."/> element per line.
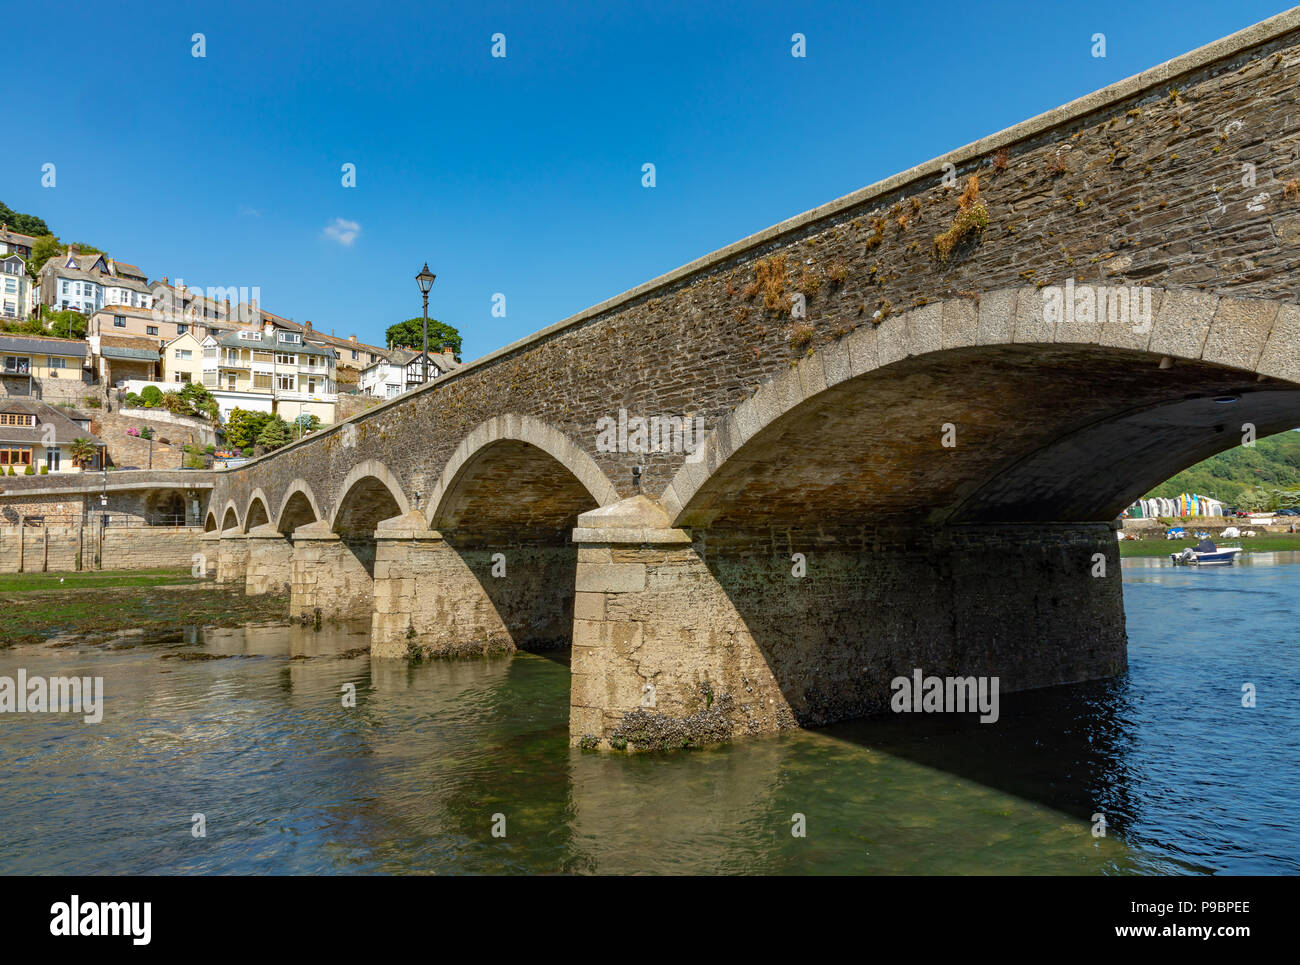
<point x="451" y="600"/>
<point x="270" y="556"/>
<point x="209" y="551"/>
<point x="694" y="637"/>
<point x="330" y="573"/>
<point x="232" y="557"/>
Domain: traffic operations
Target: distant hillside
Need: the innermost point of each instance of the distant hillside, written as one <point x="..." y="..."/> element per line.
<point x="24" y="224"/>
<point x="1272" y="463"/>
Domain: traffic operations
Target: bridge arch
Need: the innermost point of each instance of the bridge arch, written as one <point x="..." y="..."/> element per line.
<point x="298" y="507"/>
<point x="210" y="523"/>
<point x="1051" y="421"/>
<point x="230" y="517"/>
<point x="552" y="478"/>
<point x="368" y="494"/>
<point x="256" y="513"/>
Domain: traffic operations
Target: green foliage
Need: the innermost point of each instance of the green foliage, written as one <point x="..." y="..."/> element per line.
<point x="210" y="450"/>
<point x="133" y="400"/>
<point x="243" y="427"/>
<point x="91" y="401"/>
<point x="24" y="224"/>
<point x="11" y="471"/>
<point x="146" y="433"/>
<point x="151" y="396"/>
<point x="45" y="470"/>
<point x="410" y="332"/>
<point x="246" y="452"/>
<point x="65" y="324"/>
<point x="29" y="471"/>
<point x="45" y="248"/>
<point x="22" y="326"/>
<point x="275" y="434"/>
<point x="194" y="461"/>
<point x="83" y="451"/>
<point x="1246" y="477"/>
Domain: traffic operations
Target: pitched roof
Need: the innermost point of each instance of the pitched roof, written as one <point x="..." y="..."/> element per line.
<point x="232" y="340"/>
<point x="13" y="237"/>
<point x="43" y="345"/>
<point x="65" y="430"/>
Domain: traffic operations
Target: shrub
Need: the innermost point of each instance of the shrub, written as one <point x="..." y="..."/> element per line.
<point x="11" y="471"/>
<point x="247" y="452"/>
<point x="91" y="401"/>
<point x="29" y="471"/>
<point x="151" y="396"/>
<point x="45" y="470"/>
<point x="133" y="399"/>
<point x="146" y="433"/>
<point x="210" y="450"/>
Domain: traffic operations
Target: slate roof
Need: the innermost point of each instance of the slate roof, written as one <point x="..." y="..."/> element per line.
<point x="65" y="430"/>
<point x="232" y="340"/>
<point x="41" y="345"/>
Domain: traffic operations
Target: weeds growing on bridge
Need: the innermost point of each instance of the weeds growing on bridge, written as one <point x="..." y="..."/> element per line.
<point x="972" y="218"/>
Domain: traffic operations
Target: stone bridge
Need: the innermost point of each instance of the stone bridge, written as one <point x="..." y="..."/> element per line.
<point x="924" y="404"/>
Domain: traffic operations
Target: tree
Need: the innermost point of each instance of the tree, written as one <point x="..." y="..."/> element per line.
<point x="83" y="451"/>
<point x="24" y="224"/>
<point x="274" y="434"/>
<point x="174" y="403"/>
<point x="410" y="333"/>
<point x="45" y="248"/>
<point x="307" y="422"/>
<point x="243" y="428"/>
<point x="65" y="324"/>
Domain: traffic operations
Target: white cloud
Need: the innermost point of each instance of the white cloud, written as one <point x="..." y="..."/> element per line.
<point x="342" y="231"/>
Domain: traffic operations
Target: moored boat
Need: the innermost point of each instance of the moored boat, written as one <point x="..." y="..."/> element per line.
<point x="1205" y="553"/>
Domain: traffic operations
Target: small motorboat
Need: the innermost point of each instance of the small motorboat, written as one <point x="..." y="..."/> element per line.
<point x="1205" y="553"/>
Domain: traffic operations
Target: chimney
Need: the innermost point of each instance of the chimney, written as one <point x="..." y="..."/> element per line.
<point x="447" y="351"/>
<point x="352" y="339"/>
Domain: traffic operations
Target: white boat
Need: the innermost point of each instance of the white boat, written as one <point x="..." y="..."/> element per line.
<point x="1205" y="553"/>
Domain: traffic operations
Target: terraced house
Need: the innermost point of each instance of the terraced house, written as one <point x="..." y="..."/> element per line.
<point x="271" y="370"/>
<point x="17" y="293"/>
<point x="86" y="283"/>
<point x="46" y="369"/>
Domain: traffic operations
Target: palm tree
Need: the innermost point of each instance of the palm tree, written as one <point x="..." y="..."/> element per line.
<point x="83" y="451"/>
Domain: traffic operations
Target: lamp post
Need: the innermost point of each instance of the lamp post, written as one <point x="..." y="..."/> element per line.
<point x="425" y="280"/>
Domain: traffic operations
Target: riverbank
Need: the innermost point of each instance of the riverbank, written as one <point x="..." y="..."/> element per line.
<point x="1163" y="547"/>
<point x="40" y="607"/>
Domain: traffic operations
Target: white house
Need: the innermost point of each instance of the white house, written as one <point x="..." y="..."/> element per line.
<point x="400" y="370"/>
<point x="86" y="283"/>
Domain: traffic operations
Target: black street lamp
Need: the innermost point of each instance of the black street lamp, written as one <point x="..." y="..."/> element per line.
<point x="425" y="280"/>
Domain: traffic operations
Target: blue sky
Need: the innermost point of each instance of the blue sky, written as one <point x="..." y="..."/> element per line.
<point x="519" y="175"/>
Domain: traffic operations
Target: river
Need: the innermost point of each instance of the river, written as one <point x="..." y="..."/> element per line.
<point x="434" y="757"/>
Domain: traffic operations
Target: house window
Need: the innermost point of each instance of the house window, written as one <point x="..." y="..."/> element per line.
<point x="17" y="419"/>
<point x="183" y="353"/>
<point x="65" y="288"/>
<point x="182" y="377"/>
<point x="292" y="338"/>
<point x="182" y="329"/>
<point x="151" y="329"/>
<point x="58" y="363"/>
<point x="261" y="380"/>
<point x="285" y="382"/>
<point x="11" y="286"/>
<point x="210" y="379"/>
<point x="230" y="382"/>
<point x="354" y="354"/>
<point x="119" y="321"/>
<point x="286" y="360"/>
<point x="53" y="458"/>
<point x="15" y="456"/>
<point x="17" y="365"/>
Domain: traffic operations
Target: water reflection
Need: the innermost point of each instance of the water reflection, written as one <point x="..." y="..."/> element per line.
<point x="289" y="779"/>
